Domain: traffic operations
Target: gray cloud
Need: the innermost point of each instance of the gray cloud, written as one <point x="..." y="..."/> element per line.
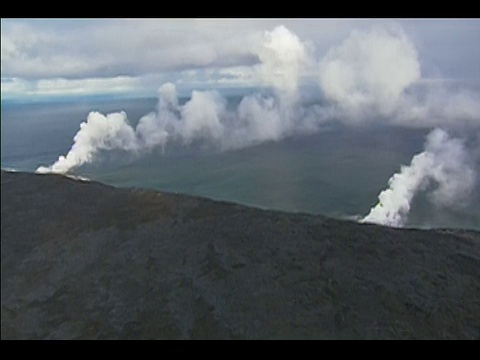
<point x="121" y="47"/>
<point x="40" y="49"/>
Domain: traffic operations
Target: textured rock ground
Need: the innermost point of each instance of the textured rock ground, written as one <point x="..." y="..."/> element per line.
<point x="85" y="260"/>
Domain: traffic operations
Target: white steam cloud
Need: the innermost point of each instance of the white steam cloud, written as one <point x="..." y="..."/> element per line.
<point x="369" y="71"/>
<point x="445" y="165"/>
<point x="283" y="56"/>
<point x="370" y="76"/>
<point x="98" y="133"/>
<point x="375" y="76"/>
<point x="204" y="117"/>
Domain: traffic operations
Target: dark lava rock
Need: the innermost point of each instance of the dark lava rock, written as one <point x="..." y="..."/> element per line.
<point x="82" y="260"/>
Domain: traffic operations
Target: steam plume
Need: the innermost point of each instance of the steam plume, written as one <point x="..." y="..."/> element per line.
<point x="283" y="56"/>
<point x="204" y="117"/>
<point x="369" y="71"/>
<point x="445" y="165"/>
<point x="98" y="133"/>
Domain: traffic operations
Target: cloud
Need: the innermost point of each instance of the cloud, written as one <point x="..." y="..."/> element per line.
<point x="216" y="52"/>
<point x="74" y="60"/>
<point x="439" y="104"/>
<point x="17" y="88"/>
<point x="147" y="46"/>
<point x="374" y="76"/>
<point x="29" y="53"/>
<point x="369" y="71"/>
<point x="235" y="76"/>
<point x="87" y="86"/>
<point x="12" y="87"/>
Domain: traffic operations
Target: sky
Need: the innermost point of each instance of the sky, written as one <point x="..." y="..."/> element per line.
<point x="48" y="58"/>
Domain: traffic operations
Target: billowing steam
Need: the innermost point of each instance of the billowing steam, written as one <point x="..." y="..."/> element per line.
<point x="283" y="56"/>
<point x="204" y="117"/>
<point x="444" y="169"/>
<point x="98" y="133"/>
<point x="369" y="72"/>
<point x="370" y="76"/>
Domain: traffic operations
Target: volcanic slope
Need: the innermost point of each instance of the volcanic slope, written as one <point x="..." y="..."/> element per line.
<point x="83" y="260"/>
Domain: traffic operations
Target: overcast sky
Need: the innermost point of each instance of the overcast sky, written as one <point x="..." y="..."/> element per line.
<point x="50" y="57"/>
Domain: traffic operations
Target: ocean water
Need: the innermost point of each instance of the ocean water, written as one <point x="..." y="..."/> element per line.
<point x="337" y="172"/>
